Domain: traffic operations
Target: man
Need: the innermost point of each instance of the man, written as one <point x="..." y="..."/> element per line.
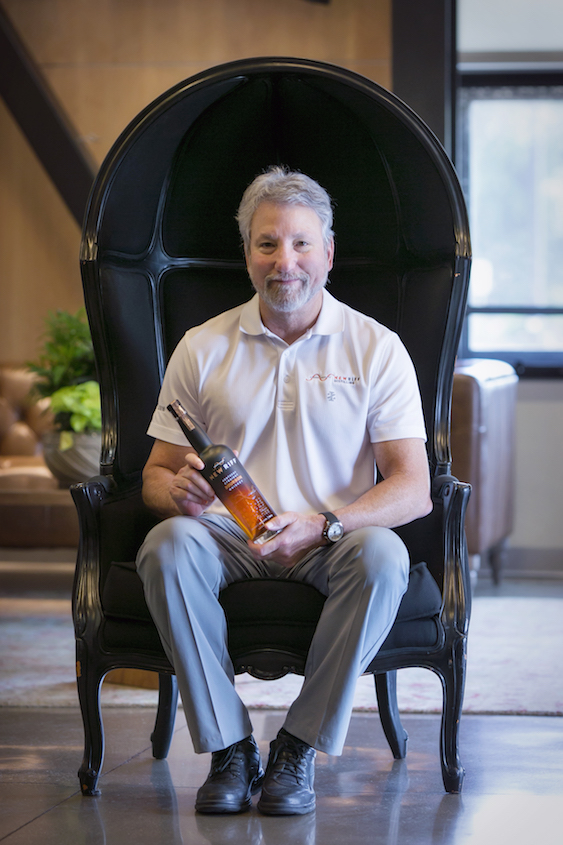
<point x="314" y="397"/>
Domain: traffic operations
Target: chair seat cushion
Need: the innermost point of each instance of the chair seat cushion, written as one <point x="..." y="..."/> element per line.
<point x="267" y="614"/>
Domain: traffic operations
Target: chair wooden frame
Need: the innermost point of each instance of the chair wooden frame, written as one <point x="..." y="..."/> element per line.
<point x="434" y="259"/>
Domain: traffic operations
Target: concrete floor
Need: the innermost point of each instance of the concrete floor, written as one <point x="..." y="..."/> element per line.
<point x="513" y="790"/>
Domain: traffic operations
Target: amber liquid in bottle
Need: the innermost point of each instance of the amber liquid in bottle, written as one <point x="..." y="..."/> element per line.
<point x="228" y="478"/>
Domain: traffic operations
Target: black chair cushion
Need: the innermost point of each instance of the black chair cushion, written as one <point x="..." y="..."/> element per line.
<point x="271" y="614"/>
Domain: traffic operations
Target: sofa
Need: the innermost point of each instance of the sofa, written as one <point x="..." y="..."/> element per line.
<point x="34" y="511"/>
<point x="483" y="454"/>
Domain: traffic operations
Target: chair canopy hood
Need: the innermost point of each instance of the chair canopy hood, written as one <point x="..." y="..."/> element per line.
<point x="161" y="249"/>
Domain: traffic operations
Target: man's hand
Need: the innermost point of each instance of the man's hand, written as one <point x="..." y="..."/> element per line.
<point x="172" y="483"/>
<point x="402" y="496"/>
<point x="299" y="535"/>
<point x="189" y="490"/>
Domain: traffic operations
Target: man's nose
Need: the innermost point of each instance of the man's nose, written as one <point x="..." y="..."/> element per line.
<point x="285" y="257"/>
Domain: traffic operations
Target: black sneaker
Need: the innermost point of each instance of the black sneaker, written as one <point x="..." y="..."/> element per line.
<point x="236" y="774"/>
<point x="290" y="774"/>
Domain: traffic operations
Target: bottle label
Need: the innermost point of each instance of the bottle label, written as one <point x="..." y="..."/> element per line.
<point x="219" y="467"/>
<point x="232" y="481"/>
<point x="241" y="497"/>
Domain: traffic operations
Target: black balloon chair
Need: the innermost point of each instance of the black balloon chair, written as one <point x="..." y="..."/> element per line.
<point x="160" y="253"/>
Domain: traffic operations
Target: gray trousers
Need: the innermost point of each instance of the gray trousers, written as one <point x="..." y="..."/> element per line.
<point x="185" y="562"/>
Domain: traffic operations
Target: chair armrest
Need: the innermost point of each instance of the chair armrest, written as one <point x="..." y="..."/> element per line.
<point x="113" y="522"/>
<point x="88" y="498"/>
<point x="453" y="496"/>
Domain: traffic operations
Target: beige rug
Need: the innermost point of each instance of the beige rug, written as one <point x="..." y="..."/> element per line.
<point x="515" y="663"/>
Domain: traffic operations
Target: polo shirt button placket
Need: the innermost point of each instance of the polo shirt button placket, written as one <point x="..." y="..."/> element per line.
<point x="287" y="402"/>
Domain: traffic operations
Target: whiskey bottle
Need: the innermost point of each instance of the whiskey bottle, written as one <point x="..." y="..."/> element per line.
<point x="228" y="478"/>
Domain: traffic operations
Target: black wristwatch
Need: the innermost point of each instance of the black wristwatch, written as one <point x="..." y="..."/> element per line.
<point x="333" y="530"/>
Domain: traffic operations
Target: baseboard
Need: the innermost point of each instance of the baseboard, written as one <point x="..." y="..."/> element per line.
<point x="528" y="563"/>
<point x="46" y="555"/>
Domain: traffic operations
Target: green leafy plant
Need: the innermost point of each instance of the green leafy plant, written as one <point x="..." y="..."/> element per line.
<point x="81" y="404"/>
<point x="66" y="371"/>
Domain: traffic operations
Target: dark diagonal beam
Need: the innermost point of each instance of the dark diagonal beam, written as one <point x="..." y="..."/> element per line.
<point x="42" y="121"/>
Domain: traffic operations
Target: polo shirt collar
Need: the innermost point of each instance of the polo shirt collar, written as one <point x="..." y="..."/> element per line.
<point x="329" y="321"/>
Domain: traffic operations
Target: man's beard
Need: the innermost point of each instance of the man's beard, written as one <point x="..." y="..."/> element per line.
<point x="290" y="296"/>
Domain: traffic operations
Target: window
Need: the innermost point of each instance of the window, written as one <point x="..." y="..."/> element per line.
<point x="510" y="160"/>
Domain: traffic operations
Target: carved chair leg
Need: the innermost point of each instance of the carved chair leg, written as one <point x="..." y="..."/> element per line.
<point x="453" y="682"/>
<point x="89" y="683"/>
<point x="161" y="737"/>
<point x="386" y="691"/>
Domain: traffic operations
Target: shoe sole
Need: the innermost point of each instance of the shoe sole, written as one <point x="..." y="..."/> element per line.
<point x="281" y="809"/>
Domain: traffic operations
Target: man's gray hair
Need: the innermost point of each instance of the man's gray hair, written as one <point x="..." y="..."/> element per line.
<point x="283" y="186"/>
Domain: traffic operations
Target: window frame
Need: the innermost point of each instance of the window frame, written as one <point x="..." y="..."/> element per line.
<point x="528" y="364"/>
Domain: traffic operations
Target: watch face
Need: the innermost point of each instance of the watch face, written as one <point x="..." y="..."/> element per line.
<point x="334" y="531"/>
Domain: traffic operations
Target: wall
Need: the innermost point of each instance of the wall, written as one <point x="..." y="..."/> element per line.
<point x="105" y="60"/>
<point x="39" y="243"/>
<point x="537" y="541"/>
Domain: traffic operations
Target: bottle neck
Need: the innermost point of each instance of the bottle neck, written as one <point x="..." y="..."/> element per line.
<point x="196" y="435"/>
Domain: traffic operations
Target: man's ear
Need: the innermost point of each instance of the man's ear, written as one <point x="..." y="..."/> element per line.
<point x="330" y="254"/>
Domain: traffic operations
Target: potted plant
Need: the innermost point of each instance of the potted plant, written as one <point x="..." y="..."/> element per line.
<point x="66" y="374"/>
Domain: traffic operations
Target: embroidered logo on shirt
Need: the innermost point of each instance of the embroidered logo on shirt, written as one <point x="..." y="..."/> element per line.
<point x="335" y="379"/>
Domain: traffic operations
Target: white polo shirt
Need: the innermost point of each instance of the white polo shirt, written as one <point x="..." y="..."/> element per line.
<point x="302" y="417"/>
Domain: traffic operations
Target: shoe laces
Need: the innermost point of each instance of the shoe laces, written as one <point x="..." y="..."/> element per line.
<point x="229" y="760"/>
<point x="289" y="757"/>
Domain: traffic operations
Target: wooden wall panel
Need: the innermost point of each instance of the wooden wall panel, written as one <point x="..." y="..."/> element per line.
<point x="105" y="60"/>
<point x="39" y="244"/>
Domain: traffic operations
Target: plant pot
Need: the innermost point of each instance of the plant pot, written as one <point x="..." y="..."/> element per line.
<point x="77" y="463"/>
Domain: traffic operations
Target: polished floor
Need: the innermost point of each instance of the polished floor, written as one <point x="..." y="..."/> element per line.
<point x="513" y="789"/>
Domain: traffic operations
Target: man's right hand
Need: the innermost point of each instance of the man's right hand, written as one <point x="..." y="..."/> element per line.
<point x="189" y="490"/>
<point x="172" y="483"/>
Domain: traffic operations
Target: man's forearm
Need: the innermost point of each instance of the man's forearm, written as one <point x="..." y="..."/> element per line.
<point x="402" y="496"/>
<point x="389" y="504"/>
<point x="156" y="492"/>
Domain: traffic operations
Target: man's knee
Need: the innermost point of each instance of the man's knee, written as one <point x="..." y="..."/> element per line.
<point x="168" y="546"/>
<point x="380" y="554"/>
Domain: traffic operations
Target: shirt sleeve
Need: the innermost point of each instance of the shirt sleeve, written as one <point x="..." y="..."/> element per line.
<point x="178" y="383"/>
<point x="395" y="411"/>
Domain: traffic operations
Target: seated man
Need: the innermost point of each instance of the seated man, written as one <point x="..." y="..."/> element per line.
<point x="315" y="397"/>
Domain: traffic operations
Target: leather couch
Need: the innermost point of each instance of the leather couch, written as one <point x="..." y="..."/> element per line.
<point x="23" y="420"/>
<point x="33" y="510"/>
<point x="483" y="454"/>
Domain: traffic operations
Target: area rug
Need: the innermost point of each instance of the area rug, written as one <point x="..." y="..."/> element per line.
<point x="515" y="663"/>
